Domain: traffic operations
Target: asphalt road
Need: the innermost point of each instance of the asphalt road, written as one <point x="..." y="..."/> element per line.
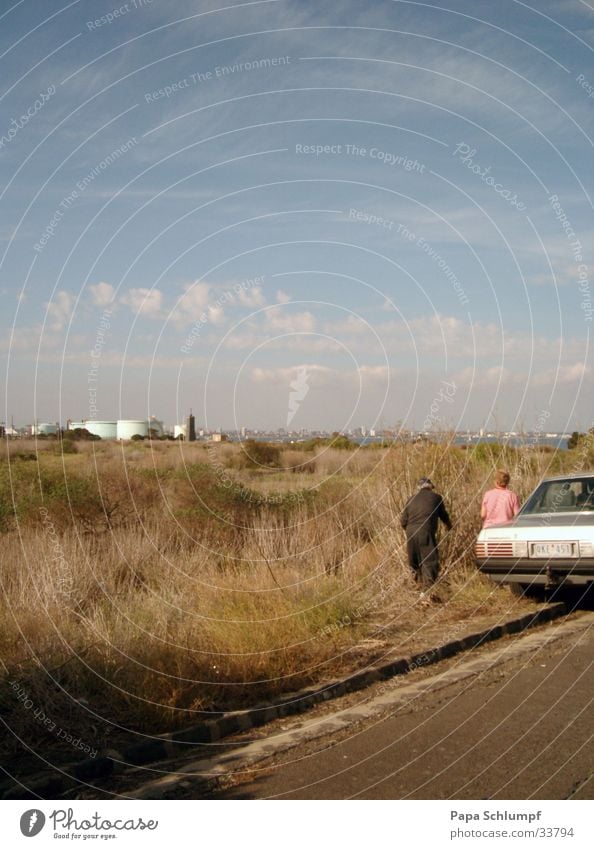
<point x="522" y="730"/>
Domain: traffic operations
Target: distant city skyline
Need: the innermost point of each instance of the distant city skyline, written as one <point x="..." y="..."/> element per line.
<point x="396" y="430"/>
<point x="290" y="212"/>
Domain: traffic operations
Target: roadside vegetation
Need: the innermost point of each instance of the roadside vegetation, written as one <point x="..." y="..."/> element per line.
<point x="147" y="584"/>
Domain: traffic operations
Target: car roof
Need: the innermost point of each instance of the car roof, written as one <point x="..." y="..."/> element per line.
<point x="570" y="477"/>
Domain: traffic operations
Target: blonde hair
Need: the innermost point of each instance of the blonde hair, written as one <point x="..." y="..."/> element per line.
<point x="501" y="477"/>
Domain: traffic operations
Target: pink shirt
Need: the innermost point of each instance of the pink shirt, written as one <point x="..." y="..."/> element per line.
<point x="500" y="505"/>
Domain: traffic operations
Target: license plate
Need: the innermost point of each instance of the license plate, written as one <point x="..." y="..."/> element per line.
<point x="552" y="549"/>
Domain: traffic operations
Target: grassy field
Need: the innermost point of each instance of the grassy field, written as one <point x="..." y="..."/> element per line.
<point x="144" y="584"/>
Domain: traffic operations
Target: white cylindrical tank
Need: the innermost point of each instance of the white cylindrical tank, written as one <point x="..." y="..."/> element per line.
<point x="46" y="428"/>
<point x="106" y="430"/>
<point x="127" y="428"/>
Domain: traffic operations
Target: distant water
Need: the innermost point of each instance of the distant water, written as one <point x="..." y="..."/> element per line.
<point x="560" y="443"/>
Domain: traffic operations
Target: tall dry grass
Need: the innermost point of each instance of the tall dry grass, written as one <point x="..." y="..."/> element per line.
<point x="151" y="583"/>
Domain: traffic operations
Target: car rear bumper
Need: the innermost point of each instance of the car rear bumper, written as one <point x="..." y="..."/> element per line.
<point x="509" y="570"/>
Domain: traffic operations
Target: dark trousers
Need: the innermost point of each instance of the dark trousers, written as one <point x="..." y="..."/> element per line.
<point x="423" y="557"/>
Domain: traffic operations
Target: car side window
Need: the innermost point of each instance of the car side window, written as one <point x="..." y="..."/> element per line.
<point x="585" y="498"/>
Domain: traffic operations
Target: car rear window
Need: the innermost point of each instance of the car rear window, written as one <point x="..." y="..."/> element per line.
<point x="570" y="496"/>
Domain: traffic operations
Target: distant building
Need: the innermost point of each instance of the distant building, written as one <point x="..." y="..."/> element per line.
<point x="190" y="428"/>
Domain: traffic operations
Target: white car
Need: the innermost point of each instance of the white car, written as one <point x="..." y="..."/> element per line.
<point x="550" y="541"/>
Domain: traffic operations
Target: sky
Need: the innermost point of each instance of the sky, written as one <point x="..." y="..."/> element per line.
<point x="317" y="214"/>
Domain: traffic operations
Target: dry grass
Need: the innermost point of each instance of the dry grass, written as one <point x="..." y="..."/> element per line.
<point x="150" y="583"/>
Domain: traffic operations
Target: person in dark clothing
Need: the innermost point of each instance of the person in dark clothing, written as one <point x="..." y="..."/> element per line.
<point x="419" y="519"/>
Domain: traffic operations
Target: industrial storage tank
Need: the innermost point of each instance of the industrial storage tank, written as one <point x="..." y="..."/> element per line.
<point x="127" y="428"/>
<point x="45" y="429"/>
<point x="106" y="430"/>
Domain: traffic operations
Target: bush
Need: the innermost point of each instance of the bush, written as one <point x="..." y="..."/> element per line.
<point x="23" y="455"/>
<point x="81" y="433"/>
<point x="259" y="454"/>
<point x="337" y="440"/>
<point x="66" y="446"/>
<point x="577" y="440"/>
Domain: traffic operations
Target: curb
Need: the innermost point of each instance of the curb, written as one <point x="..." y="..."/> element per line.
<point x="213" y="730"/>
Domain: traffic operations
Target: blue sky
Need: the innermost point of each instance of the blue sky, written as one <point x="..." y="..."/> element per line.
<point x="200" y="204"/>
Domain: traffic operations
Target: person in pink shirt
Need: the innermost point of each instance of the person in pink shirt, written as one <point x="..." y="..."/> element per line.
<point x="499" y="504"/>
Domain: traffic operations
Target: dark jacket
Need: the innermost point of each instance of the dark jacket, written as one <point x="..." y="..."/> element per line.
<point x="422" y="512"/>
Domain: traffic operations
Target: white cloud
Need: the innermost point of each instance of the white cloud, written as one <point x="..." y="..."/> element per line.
<point x="282" y="297"/>
<point x="380" y="374"/>
<point x="243" y="339"/>
<point x="561" y="275"/>
<point x="573" y="373"/>
<point x="125" y="360"/>
<point x="144" y="301"/>
<point x="479" y="378"/>
<point x="353" y="324"/>
<point x="284" y="376"/>
<point x="252" y="338"/>
<point x="216" y="314"/>
<point x="440" y="333"/>
<point x="60" y="309"/>
<point x="484" y="344"/>
<point x="287" y="322"/>
<point x="321" y="377"/>
<point x="194" y="299"/>
<point x="253" y="297"/>
<point x="102" y="293"/>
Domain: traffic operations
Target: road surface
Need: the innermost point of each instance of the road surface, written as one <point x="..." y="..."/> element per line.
<point x="522" y="730"/>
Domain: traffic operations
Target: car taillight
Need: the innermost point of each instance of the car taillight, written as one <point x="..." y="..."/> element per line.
<point x="503" y="548"/>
